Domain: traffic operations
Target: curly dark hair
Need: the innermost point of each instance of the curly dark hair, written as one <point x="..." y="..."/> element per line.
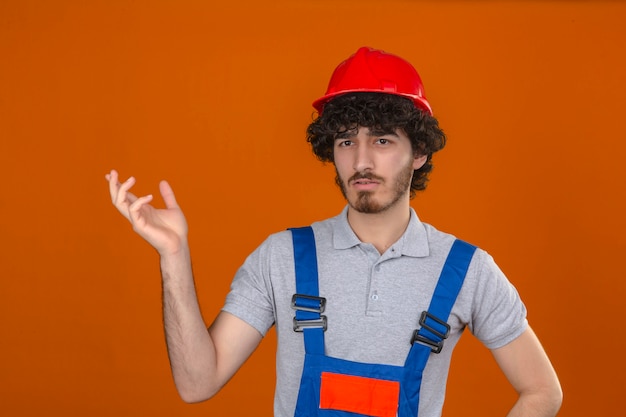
<point x="382" y="112"/>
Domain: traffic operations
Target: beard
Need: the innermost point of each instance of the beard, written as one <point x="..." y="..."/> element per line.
<point x="366" y="201"/>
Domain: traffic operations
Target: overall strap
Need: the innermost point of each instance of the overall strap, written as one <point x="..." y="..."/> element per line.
<point x="306" y="301"/>
<point x="449" y="285"/>
<point x="434" y="329"/>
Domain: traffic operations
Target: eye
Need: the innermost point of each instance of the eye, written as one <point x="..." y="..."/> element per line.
<point x="383" y="141"/>
<point x="344" y="143"/>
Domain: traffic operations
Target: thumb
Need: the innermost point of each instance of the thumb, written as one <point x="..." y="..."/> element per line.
<point x="168" y="195"/>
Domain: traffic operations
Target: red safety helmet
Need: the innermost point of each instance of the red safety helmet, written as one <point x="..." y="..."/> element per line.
<point x="373" y="70"/>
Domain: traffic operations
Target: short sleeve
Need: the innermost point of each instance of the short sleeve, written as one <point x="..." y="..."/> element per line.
<point x="250" y="297"/>
<point x="498" y="313"/>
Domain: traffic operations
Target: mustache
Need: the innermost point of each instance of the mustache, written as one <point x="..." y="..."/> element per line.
<point x="364" y="176"/>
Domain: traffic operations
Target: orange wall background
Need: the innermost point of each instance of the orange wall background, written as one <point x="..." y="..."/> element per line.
<point x="215" y="97"/>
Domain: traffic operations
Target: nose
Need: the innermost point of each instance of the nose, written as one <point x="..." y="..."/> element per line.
<point x="363" y="160"/>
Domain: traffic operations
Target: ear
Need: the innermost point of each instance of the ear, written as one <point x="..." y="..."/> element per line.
<point x="419" y="161"/>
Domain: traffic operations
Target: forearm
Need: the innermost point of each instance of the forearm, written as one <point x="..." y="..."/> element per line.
<point x="527" y="367"/>
<point x="190" y="348"/>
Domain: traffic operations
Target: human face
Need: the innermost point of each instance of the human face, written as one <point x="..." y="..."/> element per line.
<point x="374" y="169"/>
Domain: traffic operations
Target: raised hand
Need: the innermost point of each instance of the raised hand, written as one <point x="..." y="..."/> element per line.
<point x="165" y="229"/>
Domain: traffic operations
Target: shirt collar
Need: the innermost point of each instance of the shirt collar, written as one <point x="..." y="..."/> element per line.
<point x="414" y="241"/>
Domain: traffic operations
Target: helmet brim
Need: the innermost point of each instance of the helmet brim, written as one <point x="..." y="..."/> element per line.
<point x="419" y="102"/>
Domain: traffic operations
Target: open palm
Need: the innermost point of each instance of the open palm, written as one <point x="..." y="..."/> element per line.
<point x="165" y="229"/>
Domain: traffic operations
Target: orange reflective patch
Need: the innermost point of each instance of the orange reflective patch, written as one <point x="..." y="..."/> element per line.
<point x="356" y="394"/>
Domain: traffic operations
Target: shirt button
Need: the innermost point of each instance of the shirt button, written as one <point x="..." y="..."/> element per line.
<point x="374" y="297"/>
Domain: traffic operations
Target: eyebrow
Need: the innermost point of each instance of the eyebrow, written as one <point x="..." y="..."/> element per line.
<point x="380" y="132"/>
<point x="346" y="134"/>
<point x="350" y="133"/>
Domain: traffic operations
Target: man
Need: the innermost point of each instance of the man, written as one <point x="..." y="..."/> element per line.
<point x="367" y="305"/>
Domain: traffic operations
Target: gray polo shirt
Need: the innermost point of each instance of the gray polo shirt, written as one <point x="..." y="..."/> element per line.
<point x="373" y="302"/>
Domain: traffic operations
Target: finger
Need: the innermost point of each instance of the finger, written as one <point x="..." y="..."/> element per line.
<point x="131" y="197"/>
<point x="115" y="188"/>
<point x="135" y="208"/>
<point x="108" y="175"/>
<point x="112" y="177"/>
<point x="123" y="195"/>
<point x="168" y="195"/>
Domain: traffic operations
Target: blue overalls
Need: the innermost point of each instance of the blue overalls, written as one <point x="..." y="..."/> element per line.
<point x="332" y="387"/>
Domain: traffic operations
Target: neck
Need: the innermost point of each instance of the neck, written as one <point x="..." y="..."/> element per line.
<point x="380" y="229"/>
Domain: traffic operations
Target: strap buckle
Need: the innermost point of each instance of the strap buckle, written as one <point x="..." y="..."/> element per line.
<point x="300" y="325"/>
<point x="309" y="304"/>
<point x="441" y="334"/>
